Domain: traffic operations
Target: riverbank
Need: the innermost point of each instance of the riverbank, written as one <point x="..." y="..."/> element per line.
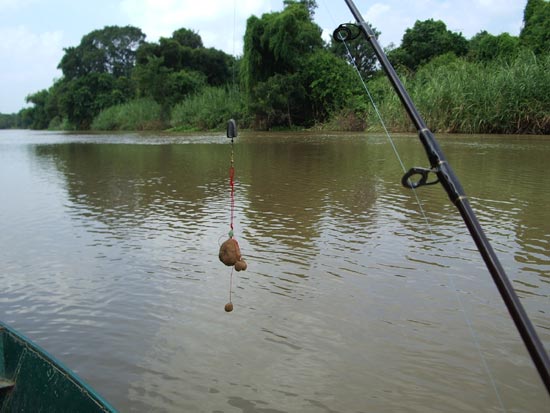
<point x="452" y="94"/>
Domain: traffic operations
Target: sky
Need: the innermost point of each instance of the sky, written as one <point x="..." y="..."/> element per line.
<point x="33" y="33"/>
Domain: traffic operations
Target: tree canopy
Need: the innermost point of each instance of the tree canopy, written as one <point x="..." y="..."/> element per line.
<point x="275" y="49"/>
<point x="426" y="40"/>
<point x="109" y="50"/>
<point x="277" y="43"/>
<point x="189" y="38"/>
<point x="287" y="76"/>
<point x="536" y="26"/>
<point x="485" y="47"/>
<point x="115" y="64"/>
<point x="361" y="52"/>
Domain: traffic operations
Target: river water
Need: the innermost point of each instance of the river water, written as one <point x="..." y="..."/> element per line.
<point x="354" y="299"/>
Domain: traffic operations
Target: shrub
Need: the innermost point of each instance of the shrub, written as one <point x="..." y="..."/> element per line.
<point x="139" y="114"/>
<point x="457" y="96"/>
<point x="208" y="109"/>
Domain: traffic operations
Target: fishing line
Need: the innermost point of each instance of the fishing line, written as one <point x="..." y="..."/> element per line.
<point x="379" y="116"/>
<point x="430" y="229"/>
<point x="232" y="187"/>
<point x="230" y="253"/>
<point x="427" y="221"/>
<point x="233" y="89"/>
<point x="234" y="26"/>
<point x="229" y="305"/>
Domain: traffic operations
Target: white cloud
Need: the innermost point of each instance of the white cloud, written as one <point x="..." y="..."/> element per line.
<point x="14" y="4"/>
<point x="34" y="32"/>
<point x="28" y="63"/>
<point x="215" y="20"/>
<point x="393" y="17"/>
<point x="377" y="11"/>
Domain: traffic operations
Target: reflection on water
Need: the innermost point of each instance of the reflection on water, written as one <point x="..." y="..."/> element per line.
<point x="109" y="260"/>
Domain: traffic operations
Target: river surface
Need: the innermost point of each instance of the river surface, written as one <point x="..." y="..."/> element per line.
<point x="354" y="299"/>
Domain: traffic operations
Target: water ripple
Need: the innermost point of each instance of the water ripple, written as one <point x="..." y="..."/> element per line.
<point x="109" y="260"/>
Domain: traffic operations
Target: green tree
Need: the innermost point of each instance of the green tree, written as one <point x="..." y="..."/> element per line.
<point x="310" y="5"/>
<point x="109" y="50"/>
<point x="171" y="52"/>
<point x="184" y="51"/>
<point x="24" y="118"/>
<point x="280" y="101"/>
<point x="214" y="63"/>
<point x="361" y="51"/>
<point x="38" y="113"/>
<point x="278" y="42"/>
<point x="150" y="78"/>
<point x="8" y="121"/>
<point x="189" y="38"/>
<point x="484" y="47"/>
<point x="182" y="84"/>
<point x="330" y="83"/>
<point x="535" y="33"/>
<point x="425" y="40"/>
<point x="96" y="75"/>
<point x="84" y="97"/>
<point x="276" y="47"/>
<point x="165" y="85"/>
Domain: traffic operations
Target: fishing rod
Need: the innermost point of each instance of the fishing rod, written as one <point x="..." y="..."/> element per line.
<point x="417" y="177"/>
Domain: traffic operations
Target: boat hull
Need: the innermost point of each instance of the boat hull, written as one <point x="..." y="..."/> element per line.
<point x="31" y="380"/>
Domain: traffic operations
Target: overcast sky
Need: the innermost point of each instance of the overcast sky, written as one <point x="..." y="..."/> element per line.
<point x="33" y="33"/>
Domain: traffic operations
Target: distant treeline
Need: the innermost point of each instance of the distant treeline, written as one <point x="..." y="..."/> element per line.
<point x="288" y="77"/>
<point x="8" y="121"/>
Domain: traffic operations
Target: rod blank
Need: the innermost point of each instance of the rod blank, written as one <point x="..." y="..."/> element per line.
<point x="454" y="189"/>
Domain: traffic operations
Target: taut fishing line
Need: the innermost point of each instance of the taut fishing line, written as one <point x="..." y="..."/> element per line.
<point x="234" y="55"/>
<point x="424" y="215"/>
<point x="230" y="252"/>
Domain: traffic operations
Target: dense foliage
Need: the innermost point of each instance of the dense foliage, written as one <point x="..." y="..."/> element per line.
<point x="288" y="77"/>
<point x="426" y="40"/>
<point x="456" y="95"/>
<point x="8" y="121"/>
<point x="536" y="26"/>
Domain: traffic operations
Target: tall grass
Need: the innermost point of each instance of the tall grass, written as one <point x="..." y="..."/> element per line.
<point x="139" y="114"/>
<point x="452" y="94"/>
<point x="209" y="109"/>
<point x="455" y="95"/>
